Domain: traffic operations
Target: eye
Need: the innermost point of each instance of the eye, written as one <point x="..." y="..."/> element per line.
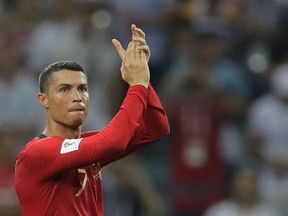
<point x="83" y="89"/>
<point x="64" y="89"/>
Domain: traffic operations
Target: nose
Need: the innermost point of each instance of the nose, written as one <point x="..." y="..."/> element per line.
<point x="76" y="96"/>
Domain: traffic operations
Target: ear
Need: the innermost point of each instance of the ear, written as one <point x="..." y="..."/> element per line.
<point x="43" y="100"/>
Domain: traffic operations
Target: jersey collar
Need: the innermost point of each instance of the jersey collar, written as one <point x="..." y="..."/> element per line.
<point x="41" y="136"/>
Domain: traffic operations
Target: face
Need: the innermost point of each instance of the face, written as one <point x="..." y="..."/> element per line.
<point x="67" y="101"/>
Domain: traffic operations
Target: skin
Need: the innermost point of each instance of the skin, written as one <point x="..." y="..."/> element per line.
<point x="67" y="100"/>
<point x="66" y="103"/>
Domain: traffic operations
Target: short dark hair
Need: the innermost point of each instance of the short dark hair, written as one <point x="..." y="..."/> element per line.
<point x="45" y="75"/>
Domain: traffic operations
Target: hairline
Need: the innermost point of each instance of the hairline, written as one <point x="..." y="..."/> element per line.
<point x="46" y="75"/>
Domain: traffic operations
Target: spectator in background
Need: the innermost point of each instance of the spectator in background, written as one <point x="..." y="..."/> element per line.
<point x="205" y="47"/>
<point x="244" y="199"/>
<point x="268" y="135"/>
<point x="258" y="33"/>
<point x="9" y="146"/>
<point x="130" y="191"/>
<point x="196" y="165"/>
<point x="55" y="37"/>
<point x="207" y="96"/>
<point x="17" y="90"/>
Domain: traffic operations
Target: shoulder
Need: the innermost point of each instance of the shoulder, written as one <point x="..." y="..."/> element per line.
<point x="89" y="133"/>
<point x="38" y="146"/>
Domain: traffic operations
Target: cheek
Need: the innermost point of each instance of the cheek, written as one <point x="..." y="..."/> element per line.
<point x="57" y="106"/>
<point x="86" y="99"/>
<point x="87" y="104"/>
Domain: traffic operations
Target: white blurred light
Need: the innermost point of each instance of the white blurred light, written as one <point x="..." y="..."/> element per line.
<point x="101" y="19"/>
<point x="257" y="62"/>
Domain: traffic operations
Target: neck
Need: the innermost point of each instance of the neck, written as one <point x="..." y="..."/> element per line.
<point x="64" y="131"/>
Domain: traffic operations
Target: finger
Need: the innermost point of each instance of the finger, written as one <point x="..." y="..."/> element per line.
<point x="129" y="54"/>
<point x="119" y="48"/>
<point x="143" y="57"/>
<point x="146" y="50"/>
<point x="125" y="58"/>
<point x="133" y="26"/>
<point x="138" y="53"/>
<point x="133" y="55"/>
<point x="122" y="70"/>
<point x="134" y="32"/>
<point x="140" y="41"/>
<point x="140" y="32"/>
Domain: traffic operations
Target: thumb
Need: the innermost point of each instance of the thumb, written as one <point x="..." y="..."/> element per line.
<point x="119" y="48"/>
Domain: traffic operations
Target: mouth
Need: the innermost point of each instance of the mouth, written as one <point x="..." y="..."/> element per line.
<point x="77" y="109"/>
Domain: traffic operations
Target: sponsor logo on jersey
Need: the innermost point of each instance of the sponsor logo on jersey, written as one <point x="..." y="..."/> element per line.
<point x="70" y="145"/>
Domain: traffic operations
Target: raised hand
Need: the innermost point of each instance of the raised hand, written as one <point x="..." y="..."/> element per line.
<point x="138" y="36"/>
<point x="134" y="67"/>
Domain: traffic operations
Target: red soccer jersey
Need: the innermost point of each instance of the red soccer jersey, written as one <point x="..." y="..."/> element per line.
<point x="58" y="176"/>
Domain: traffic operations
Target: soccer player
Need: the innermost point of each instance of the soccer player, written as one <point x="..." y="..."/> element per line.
<point x="58" y="172"/>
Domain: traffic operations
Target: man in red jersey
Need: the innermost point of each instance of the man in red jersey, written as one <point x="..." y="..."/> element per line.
<point x="58" y="172"/>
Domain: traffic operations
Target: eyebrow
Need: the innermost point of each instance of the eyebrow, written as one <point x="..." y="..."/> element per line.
<point x="63" y="85"/>
<point x="69" y="85"/>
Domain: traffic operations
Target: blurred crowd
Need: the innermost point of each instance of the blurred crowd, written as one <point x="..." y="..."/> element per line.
<point x="221" y="69"/>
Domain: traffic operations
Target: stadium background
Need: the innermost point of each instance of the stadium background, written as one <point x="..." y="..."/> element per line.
<point x="204" y="52"/>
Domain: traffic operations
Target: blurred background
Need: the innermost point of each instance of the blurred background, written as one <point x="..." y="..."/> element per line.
<point x="221" y="69"/>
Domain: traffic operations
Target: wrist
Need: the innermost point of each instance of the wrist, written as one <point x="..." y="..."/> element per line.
<point x="145" y="84"/>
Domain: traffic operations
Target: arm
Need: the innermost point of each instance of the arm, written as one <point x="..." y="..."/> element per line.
<point x="153" y="126"/>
